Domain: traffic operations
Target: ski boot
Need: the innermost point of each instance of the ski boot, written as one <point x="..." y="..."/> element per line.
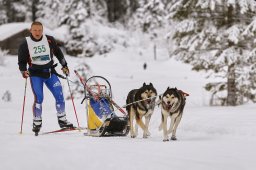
<point x="37" y="124"/>
<point x="64" y="123"/>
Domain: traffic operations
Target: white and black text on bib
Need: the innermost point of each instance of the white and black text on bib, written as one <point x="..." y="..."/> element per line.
<point x="39" y="51"/>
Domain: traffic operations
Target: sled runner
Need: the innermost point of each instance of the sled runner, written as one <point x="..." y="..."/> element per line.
<point x="102" y="119"/>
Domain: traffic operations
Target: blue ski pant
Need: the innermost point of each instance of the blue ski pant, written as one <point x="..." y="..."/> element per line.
<point x="54" y="85"/>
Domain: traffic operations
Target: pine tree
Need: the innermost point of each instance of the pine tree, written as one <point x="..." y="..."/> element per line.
<point x="150" y="15"/>
<point x="49" y="12"/>
<point x="213" y="35"/>
<point x="79" y="17"/>
<point x="149" y="18"/>
<point x="248" y="79"/>
<point x="116" y="10"/>
<point x="76" y="15"/>
<point x="12" y="11"/>
<point x="3" y="14"/>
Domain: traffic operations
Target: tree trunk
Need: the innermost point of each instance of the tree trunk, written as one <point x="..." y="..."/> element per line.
<point x="134" y="5"/>
<point x="231" y="84"/>
<point x="9" y="11"/>
<point x="116" y="9"/>
<point x="232" y="95"/>
<point x="34" y="9"/>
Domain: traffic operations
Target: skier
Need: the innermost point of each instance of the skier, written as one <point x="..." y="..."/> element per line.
<point x="37" y="52"/>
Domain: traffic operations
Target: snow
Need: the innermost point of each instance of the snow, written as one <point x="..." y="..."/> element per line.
<point x="7" y="30"/>
<point x="212" y="138"/>
<point x="233" y="34"/>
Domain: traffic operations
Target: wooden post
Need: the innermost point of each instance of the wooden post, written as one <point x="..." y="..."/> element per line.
<point x="155" y="51"/>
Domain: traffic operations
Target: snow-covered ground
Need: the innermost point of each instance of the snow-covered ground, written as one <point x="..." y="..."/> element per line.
<point x="217" y="138"/>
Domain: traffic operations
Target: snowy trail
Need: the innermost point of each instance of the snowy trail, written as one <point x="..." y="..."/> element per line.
<point x="219" y="144"/>
<point x="217" y="138"/>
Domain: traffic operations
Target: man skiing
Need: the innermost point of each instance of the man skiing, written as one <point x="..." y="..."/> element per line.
<point x="37" y="52"/>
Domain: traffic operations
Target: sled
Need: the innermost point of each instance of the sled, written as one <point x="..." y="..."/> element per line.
<point x="102" y="119"/>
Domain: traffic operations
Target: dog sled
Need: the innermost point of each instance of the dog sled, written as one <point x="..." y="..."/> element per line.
<point x="101" y="110"/>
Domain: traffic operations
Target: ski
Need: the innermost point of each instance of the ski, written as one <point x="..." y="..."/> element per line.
<point x="92" y="133"/>
<point x="62" y="130"/>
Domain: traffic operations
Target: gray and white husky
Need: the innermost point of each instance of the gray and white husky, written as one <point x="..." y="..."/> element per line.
<point x="172" y="104"/>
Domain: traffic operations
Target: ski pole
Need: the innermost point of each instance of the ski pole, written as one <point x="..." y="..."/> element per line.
<point x="73" y="102"/>
<point x="23" y="107"/>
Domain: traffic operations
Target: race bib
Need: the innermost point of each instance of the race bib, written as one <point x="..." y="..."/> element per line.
<point x="39" y="51"/>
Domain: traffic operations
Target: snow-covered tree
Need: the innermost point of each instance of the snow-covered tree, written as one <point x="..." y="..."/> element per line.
<point x="3" y="17"/>
<point x="84" y="18"/>
<point x="149" y="18"/>
<point x="217" y="36"/>
<point x="15" y="10"/>
<point x="77" y="12"/>
<point x="3" y="14"/>
<point x="64" y="12"/>
<point x="50" y="12"/>
<point x="132" y="7"/>
<point x="249" y="76"/>
<point x="150" y="15"/>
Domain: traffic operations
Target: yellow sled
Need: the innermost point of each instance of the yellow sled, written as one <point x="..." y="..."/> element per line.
<point x="101" y="117"/>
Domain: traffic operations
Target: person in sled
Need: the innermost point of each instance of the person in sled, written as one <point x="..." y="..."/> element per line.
<point x="37" y="52"/>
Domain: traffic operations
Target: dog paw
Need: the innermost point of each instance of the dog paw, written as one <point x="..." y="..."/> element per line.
<point x="145" y="135"/>
<point x="133" y="135"/>
<point x="165" y="140"/>
<point x="173" y="138"/>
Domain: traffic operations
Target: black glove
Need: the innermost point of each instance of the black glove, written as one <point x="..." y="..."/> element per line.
<point x="65" y="70"/>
